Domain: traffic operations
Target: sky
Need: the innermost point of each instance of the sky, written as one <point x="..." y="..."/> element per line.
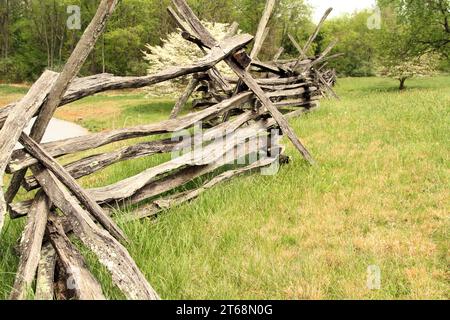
<point x="339" y="7"/>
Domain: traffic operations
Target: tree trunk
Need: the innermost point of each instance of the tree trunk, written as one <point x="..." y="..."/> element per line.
<point x="5" y="30"/>
<point x="402" y="84"/>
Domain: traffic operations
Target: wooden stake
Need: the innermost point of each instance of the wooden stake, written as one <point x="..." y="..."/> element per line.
<point x="312" y="37"/>
<point x="80" y="283"/>
<point x="30" y="245"/>
<point x="193" y="83"/>
<point x="125" y="273"/>
<point x="46" y="273"/>
<point x="16" y="122"/>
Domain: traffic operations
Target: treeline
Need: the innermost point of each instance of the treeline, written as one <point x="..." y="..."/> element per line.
<point x="34" y="34"/>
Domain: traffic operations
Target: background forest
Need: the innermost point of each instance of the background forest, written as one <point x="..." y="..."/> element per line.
<point x="34" y="34"/>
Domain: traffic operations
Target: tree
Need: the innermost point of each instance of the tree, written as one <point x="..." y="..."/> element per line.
<point x="5" y="12"/>
<point x="403" y="70"/>
<point x="399" y="53"/>
<point x="427" y="23"/>
<point x="289" y="17"/>
<point x="356" y="43"/>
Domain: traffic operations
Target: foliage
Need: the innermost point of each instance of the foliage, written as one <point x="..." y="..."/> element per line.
<point x="399" y="53"/>
<point x="34" y="35"/>
<point x="290" y="17"/>
<point x="402" y="70"/>
<point x="356" y="43"/>
<point x="176" y="51"/>
<point x="427" y="23"/>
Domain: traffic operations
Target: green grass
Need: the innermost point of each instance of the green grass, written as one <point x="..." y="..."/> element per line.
<point x="10" y="93"/>
<point x="12" y="89"/>
<point x="378" y="196"/>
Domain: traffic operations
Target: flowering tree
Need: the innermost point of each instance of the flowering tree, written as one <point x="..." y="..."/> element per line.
<point x="176" y="51"/>
<point x="398" y="54"/>
<point x="404" y="70"/>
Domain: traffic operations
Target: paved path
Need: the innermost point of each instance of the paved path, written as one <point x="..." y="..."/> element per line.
<point x="59" y="130"/>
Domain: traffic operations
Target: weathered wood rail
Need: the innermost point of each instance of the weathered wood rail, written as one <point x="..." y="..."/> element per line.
<point x="244" y="114"/>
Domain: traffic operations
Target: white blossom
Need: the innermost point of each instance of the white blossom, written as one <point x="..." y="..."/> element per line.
<point x="176" y="51"/>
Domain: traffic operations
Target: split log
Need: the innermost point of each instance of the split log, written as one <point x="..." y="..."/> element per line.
<point x="302" y="53"/>
<point x="284" y="86"/>
<point x="184" y="98"/>
<point x="262" y="30"/>
<point x="20" y="209"/>
<point x="275" y="81"/>
<point x="267" y="67"/>
<point x="45" y="273"/>
<point x="125" y="273"/>
<point x="313" y="37"/>
<point x="190" y="173"/>
<point x="296" y="102"/>
<point x="16" y="122"/>
<point x="94" y="163"/>
<point x="80" y="283"/>
<point x="21" y="159"/>
<point x="290" y="92"/>
<point x="278" y="54"/>
<point x="280" y="81"/>
<point x="326" y="84"/>
<point x="300" y="69"/>
<point x="203" y="103"/>
<point x="322" y="66"/>
<point x="261" y="34"/>
<point x="299" y="49"/>
<point x="30" y="245"/>
<point x="92" y="207"/>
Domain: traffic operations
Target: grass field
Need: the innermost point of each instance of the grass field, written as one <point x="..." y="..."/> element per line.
<point x="378" y="196"/>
